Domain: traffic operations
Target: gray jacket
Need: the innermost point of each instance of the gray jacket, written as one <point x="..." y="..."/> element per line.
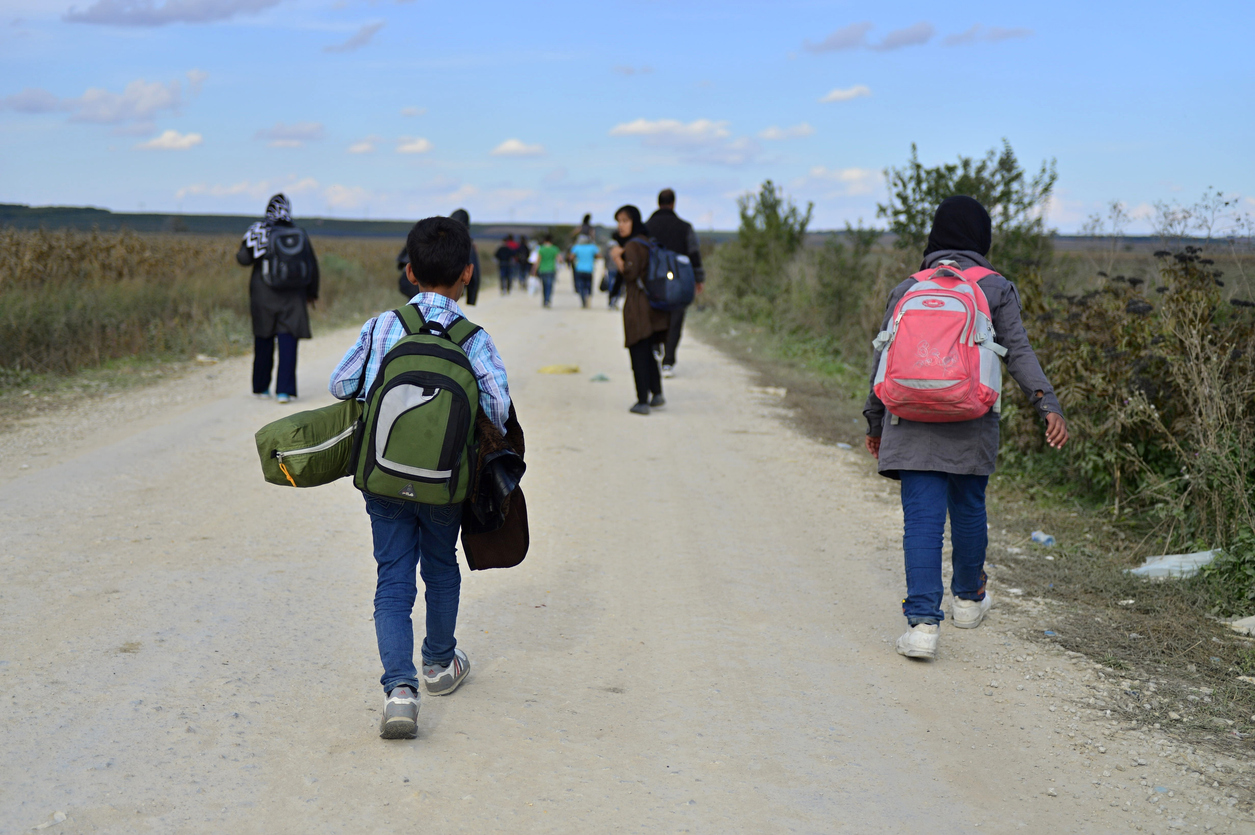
<point x="967" y="447"/>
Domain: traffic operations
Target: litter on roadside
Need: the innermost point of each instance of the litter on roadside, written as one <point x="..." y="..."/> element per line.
<point x="1128" y="602"/>
<point x="843" y="446"/>
<point x="1015" y="592"/>
<point x="599" y="378"/>
<point x="1247" y="679"/>
<point x="1042" y="538"/>
<point x="560" y="369"/>
<point x="1245" y="626"/>
<point x="206" y="359"/>
<point x="1172" y="565"/>
<point x="771" y="391"/>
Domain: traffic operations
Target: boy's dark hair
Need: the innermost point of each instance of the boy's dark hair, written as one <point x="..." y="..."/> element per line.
<point x="508" y="237"/>
<point x="666" y="198"/>
<point x="588" y="219"/>
<point x="439" y="249"/>
<point x="548" y="238"/>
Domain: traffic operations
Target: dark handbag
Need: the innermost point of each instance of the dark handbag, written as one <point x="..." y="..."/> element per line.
<point x="604" y="285"/>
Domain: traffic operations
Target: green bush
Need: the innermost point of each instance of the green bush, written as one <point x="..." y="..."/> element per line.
<point x="1230" y="578"/>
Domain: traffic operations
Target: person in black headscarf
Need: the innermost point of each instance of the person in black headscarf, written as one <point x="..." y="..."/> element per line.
<point x="945" y="466"/>
<point x="283" y="281"/>
<point x="410" y="290"/>
<point x="643" y="327"/>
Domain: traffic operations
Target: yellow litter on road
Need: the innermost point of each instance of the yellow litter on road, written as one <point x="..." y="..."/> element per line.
<point x="560" y="369"/>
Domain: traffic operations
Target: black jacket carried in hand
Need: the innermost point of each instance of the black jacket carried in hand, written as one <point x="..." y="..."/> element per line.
<point x="494" y="515"/>
<point x="677" y="235"/>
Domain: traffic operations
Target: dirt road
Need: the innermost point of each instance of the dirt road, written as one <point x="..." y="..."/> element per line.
<point x="700" y="640"/>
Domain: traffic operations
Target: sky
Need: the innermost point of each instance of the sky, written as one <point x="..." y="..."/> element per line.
<point x="400" y="109"/>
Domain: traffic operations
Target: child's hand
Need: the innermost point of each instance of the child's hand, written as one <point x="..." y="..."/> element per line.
<point x="873" y="446"/>
<point x="1056" y="430"/>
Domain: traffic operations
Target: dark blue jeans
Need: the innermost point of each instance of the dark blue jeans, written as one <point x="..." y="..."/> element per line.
<point x="264" y="361"/>
<point x="411" y="536"/>
<point x="546" y="281"/>
<point x="584" y="286"/>
<point x="926" y="498"/>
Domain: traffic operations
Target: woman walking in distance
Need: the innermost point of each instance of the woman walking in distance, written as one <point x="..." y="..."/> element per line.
<point x="942" y="447"/>
<point x="284" y="281"/>
<point x="643" y="327"/>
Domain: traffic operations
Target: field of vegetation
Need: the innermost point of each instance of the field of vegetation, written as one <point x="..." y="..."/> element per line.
<point x="1152" y="354"/>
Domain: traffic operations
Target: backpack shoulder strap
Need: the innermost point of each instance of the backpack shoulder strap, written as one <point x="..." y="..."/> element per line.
<point x="977" y="273"/>
<point x="461" y="330"/>
<point x="411" y="318"/>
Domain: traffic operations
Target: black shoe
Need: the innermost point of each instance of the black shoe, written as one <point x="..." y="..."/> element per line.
<point x="640" y="409"/>
<point x="657" y="400"/>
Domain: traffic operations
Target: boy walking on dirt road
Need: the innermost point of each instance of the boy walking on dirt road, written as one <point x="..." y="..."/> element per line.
<point x="932" y="414"/>
<point x="410" y="536"/>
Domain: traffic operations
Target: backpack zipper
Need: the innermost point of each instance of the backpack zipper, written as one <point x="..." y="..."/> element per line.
<point x="280" y="454"/>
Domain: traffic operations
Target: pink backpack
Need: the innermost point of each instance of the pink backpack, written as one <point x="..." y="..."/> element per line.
<point x="939" y="362"/>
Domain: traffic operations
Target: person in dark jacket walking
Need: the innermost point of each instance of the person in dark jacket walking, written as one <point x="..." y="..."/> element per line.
<point x="643" y="327"/>
<point x="505" y="255"/>
<point x="677" y="235"/>
<point x="472" y="290"/>
<point x="279" y="312"/>
<point x="946" y="466"/>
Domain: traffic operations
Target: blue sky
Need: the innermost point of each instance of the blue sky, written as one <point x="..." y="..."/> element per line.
<point x="404" y="108"/>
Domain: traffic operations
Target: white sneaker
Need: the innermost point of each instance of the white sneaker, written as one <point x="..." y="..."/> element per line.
<point x="668" y="371"/>
<point x="968" y="614"/>
<point x="920" y="641"/>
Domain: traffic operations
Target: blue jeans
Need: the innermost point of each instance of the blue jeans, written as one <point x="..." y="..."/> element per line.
<point x="546" y="280"/>
<point x="411" y="536"/>
<point x="584" y="286"/>
<point x="926" y="498"/>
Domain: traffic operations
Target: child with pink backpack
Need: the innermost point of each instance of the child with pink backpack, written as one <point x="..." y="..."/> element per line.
<point x="932" y="414"/>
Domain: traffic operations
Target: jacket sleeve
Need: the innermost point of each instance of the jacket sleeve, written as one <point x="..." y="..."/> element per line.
<point x="874" y="408"/>
<point x="245" y="256"/>
<point x="1021" y="359"/>
<point x="635" y="261"/>
<point x="311" y="292"/>
<point x="695" y="255"/>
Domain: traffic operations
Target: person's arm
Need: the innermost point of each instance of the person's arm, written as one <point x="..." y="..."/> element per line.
<point x="490" y="376"/>
<point x="346" y="379"/>
<point x="695" y="256"/>
<point x="311" y="291"/>
<point x="1025" y="369"/>
<point x="245" y="256"/>
<point x="874" y="408"/>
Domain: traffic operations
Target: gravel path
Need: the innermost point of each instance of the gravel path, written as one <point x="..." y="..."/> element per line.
<point x="700" y="640"/>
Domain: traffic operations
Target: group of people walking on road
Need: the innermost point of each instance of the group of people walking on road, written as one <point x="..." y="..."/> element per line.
<point x="932" y="417"/>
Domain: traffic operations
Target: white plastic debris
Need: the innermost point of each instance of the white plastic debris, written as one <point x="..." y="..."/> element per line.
<point x="1245" y="626"/>
<point x="1173" y="565"/>
<point x="841" y="445"/>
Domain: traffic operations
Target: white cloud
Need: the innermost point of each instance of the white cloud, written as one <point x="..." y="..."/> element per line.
<point x="517" y="148"/>
<point x="346" y="197"/>
<point x="358" y="40"/>
<point x="853" y="36"/>
<point x="257" y="190"/>
<point x="413" y="145"/>
<point x="171" y="140"/>
<point x="775" y="133"/>
<point x="365" y="146"/>
<point x="150" y="13"/>
<point x="132" y="110"/>
<point x="846" y="94"/>
<point x="672" y="131"/>
<point x="413" y="111"/>
<point x="920" y="33"/>
<point x="993" y="34"/>
<point x="196" y="79"/>
<point x="33" y="100"/>
<point x="839" y="181"/>
<point x="291" y="136"/>
<point x="625" y="69"/>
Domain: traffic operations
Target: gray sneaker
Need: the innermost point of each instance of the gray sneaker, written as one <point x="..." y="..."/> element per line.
<point x="441" y="681"/>
<point x="656" y="401"/>
<point x="640" y="409"/>
<point x="400" y="714"/>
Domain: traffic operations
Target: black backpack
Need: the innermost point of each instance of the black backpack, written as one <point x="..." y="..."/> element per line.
<point x="670" y="283"/>
<point x="286" y="265"/>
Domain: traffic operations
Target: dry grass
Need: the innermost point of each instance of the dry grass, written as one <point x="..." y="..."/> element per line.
<point x="77" y="300"/>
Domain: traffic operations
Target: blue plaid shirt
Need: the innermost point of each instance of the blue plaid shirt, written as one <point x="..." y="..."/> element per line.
<point x="494" y="390"/>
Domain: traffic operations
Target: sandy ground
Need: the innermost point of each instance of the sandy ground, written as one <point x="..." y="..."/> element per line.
<point x="699" y="641"/>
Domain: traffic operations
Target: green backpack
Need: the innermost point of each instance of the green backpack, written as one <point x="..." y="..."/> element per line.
<point x="418" y="437"/>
